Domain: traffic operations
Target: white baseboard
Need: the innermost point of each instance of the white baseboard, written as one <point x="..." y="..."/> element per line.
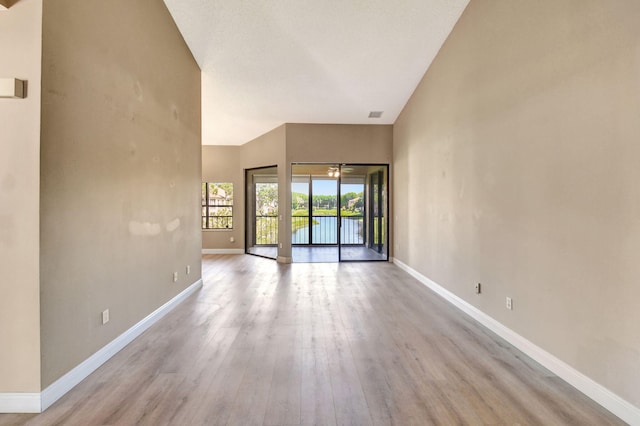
<point x="222" y="251"/>
<point x="20" y="402"/>
<point x="67" y="382"/>
<point x="38" y="402"/>
<point x="603" y="396"/>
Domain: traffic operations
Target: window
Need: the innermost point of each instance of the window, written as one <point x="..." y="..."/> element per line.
<point x="217" y="205"/>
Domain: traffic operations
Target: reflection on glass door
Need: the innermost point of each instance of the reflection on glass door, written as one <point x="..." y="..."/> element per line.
<point x="262" y="212"/>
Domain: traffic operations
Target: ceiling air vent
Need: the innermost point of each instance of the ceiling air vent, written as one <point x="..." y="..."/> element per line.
<point x="375" y="114"/>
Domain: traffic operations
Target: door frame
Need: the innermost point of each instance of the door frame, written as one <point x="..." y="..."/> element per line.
<point x="250" y="210"/>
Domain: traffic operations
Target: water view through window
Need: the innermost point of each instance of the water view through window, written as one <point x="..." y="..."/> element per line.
<point x="351" y="199"/>
<point x="338" y="212"/>
<point x="322" y="225"/>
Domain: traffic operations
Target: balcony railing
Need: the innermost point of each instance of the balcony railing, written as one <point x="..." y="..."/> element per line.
<point x="217" y="222"/>
<point x="300" y="230"/>
<point x="324" y="230"/>
<point x="352" y="230"/>
<point x="266" y="230"/>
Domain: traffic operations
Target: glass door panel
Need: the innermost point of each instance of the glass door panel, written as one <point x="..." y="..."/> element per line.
<point x="363" y="211"/>
<point x="352" y="207"/>
<point x="314" y="212"/>
<point x="262" y="212"/>
<point x="300" y="219"/>
<point x="324" y="210"/>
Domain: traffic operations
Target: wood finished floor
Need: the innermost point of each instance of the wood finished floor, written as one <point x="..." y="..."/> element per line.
<point x="325" y="344"/>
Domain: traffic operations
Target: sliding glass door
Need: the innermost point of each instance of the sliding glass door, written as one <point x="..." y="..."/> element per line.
<point x="314" y="213"/>
<point x="363" y="212"/>
<point x="332" y="218"/>
<point x="262" y="212"/>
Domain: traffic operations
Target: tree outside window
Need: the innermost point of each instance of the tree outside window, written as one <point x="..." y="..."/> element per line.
<point x="217" y="205"/>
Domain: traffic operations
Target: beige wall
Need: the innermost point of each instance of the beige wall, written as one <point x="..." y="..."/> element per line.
<point x="120" y="172"/>
<point x="266" y="150"/>
<point x="20" y="36"/>
<point x="286" y="144"/>
<point x="227" y="163"/>
<point x="339" y="143"/>
<point x="516" y="165"/>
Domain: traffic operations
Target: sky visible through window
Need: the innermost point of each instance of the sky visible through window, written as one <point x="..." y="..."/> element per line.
<point x="348" y="187"/>
<point x="301" y="188"/>
<point x="325" y="187"/>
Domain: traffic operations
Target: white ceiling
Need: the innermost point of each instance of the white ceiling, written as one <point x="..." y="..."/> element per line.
<point x="265" y="63"/>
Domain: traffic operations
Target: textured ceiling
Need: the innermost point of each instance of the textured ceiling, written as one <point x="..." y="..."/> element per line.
<point x="265" y="63"/>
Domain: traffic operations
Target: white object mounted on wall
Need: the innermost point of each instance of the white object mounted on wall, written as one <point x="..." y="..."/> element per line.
<point x="13" y="88"/>
<point x="6" y="4"/>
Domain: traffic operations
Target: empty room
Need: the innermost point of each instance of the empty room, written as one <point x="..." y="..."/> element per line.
<point x="337" y="212"/>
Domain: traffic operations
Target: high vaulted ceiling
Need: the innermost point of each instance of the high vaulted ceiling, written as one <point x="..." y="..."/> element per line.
<point x="265" y="63"/>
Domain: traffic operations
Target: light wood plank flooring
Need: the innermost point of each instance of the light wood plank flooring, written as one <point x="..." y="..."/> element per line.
<point x="325" y="344"/>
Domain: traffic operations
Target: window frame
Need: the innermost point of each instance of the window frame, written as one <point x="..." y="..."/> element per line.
<point x="207" y="207"/>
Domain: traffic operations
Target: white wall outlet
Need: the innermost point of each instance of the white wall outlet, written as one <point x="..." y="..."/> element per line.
<point x="232" y="239"/>
<point x="509" y="304"/>
<point x="188" y="269"/>
<point x="280" y="245"/>
<point x="478" y="288"/>
<point x="105" y="316"/>
<point x="175" y="277"/>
